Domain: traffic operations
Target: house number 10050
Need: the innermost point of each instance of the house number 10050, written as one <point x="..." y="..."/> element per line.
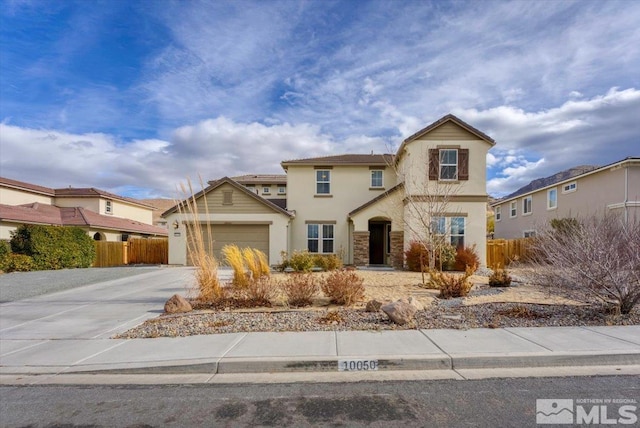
<point x="357" y="365"/>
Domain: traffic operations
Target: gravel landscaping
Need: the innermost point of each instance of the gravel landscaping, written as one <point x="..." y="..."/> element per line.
<point x="517" y="306"/>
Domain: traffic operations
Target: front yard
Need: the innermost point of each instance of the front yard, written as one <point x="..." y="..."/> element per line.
<point x="520" y="305"/>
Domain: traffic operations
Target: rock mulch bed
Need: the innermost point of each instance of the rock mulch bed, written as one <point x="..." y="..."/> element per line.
<point x="441" y="314"/>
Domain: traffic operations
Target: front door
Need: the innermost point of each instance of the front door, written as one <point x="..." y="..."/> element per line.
<point x="376" y="243"/>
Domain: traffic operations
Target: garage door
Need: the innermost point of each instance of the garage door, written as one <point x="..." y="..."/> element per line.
<point x="242" y="235"/>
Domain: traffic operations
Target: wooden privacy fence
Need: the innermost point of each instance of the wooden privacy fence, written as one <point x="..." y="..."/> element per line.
<point x="501" y="252"/>
<point x="134" y="251"/>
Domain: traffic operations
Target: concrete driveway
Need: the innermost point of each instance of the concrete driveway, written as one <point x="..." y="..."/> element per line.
<point x="92" y="311"/>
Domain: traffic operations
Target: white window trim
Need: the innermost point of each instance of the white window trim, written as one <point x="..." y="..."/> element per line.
<point x="498" y="213"/>
<point x="448" y="227"/>
<point x="550" y="208"/>
<point x="513" y="204"/>
<point x="321" y="237"/>
<point x="108" y="207"/>
<point x="441" y="164"/>
<point x="573" y="183"/>
<point x="524" y="204"/>
<point x="282" y="190"/>
<point x="381" y="186"/>
<point x="266" y="190"/>
<point x="323" y="182"/>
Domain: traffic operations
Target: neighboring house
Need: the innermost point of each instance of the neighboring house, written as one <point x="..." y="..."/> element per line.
<point x="234" y="215"/>
<point x="354" y="205"/>
<point x="272" y="187"/>
<point x="160" y="205"/>
<point x="611" y="188"/>
<point x="103" y="215"/>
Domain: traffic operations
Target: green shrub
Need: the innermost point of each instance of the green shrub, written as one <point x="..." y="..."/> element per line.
<point x="54" y="247"/>
<point x="5" y="251"/>
<point x="327" y="262"/>
<point x="343" y="287"/>
<point x="17" y="263"/>
<point x="466" y="257"/>
<point x="301" y="261"/>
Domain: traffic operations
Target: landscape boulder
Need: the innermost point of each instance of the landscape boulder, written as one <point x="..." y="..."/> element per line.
<point x="399" y="312"/>
<point x="373" y="306"/>
<point x="177" y="304"/>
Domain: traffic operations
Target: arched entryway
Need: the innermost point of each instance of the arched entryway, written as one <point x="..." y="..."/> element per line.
<point x="379" y="240"/>
<point x="98" y="236"/>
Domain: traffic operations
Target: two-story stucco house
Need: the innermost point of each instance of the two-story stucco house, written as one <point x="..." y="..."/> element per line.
<point x="366" y="208"/>
<point x="103" y="215"/>
<point x="614" y="187"/>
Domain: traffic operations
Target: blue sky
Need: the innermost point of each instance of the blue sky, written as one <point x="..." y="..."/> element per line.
<point x="135" y="96"/>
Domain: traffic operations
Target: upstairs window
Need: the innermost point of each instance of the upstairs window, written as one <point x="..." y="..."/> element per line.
<point x="323" y="182"/>
<point x="498" y="213"/>
<point x="376" y="178"/>
<point x="282" y="190"/>
<point x="526" y="205"/>
<point x="570" y="187"/>
<point x="449" y="164"/>
<point x="108" y="208"/>
<point x="266" y="190"/>
<point x="513" y="209"/>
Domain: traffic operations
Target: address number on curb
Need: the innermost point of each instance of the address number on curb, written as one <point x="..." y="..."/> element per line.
<point x="357" y="365"/>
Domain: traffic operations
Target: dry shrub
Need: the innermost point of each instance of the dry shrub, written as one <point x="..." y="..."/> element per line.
<point x="330" y="318"/>
<point x="299" y="288"/>
<point x="251" y="262"/>
<point x="451" y="285"/>
<point x="518" y="311"/>
<point x="466" y="257"/>
<point x="500" y="278"/>
<point x="328" y="262"/>
<point x="234" y="258"/>
<point x="263" y="263"/>
<point x="343" y="287"/>
<point x="200" y="249"/>
<point x="261" y="290"/>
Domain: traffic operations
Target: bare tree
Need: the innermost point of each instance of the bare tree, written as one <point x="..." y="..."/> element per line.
<point x="430" y="183"/>
<point x="592" y="258"/>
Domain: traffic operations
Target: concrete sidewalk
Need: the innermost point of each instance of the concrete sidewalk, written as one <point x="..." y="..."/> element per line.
<point x="68" y="332"/>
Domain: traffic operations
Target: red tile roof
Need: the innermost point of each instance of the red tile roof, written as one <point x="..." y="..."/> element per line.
<point x="37" y="213"/>
<point x="91" y="192"/>
<point x="21" y="185"/>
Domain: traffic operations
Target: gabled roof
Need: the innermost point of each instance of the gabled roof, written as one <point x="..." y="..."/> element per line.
<point x="261" y="178"/>
<point x="92" y="192"/>
<point x="37" y="213"/>
<point x="377" y="198"/>
<point x="21" y="185"/>
<point x="217" y="183"/>
<point x="618" y="164"/>
<point x="343" y="160"/>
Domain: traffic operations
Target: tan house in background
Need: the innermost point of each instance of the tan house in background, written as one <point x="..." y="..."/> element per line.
<point x="356" y="205"/>
<point x="272" y="187"/>
<point x="105" y="216"/>
<point x="614" y="188"/>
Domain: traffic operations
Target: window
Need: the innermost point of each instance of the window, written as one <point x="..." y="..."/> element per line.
<point x="498" y="213"/>
<point x="318" y="242"/>
<point x="323" y="182"/>
<point x="526" y="205"/>
<point x="570" y="187"/>
<point x="282" y="190"/>
<point x="552" y="199"/>
<point x="376" y="178"/>
<point x="455" y="226"/>
<point x="266" y="190"/>
<point x="457" y="232"/>
<point x="513" y="211"/>
<point x="529" y="233"/>
<point x="252" y="189"/>
<point x="448" y="164"/>
<point x="108" y="208"/>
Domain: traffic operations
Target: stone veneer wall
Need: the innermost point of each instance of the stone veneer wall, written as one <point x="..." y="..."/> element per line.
<point x="397" y="249"/>
<point x="361" y="248"/>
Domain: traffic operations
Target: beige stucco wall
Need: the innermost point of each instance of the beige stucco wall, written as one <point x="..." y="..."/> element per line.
<point x="595" y="193"/>
<point x="119" y="208"/>
<point x="18" y="197"/>
<point x="350" y="188"/>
